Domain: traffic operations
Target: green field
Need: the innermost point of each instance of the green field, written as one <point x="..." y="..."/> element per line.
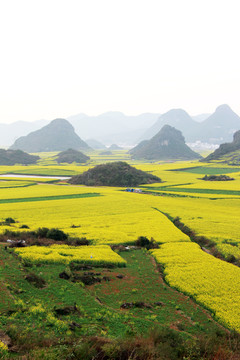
<point x="32" y="309"/>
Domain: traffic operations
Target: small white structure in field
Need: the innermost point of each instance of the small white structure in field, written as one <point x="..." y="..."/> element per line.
<point x="137" y="190"/>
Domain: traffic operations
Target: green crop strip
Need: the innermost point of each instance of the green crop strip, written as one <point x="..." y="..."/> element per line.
<point x="196" y="191"/>
<point x="46" y="198"/>
<point x="208" y="170"/>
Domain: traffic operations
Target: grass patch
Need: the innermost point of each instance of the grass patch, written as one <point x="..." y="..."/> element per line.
<point x="59" y="319"/>
<point x="142" y="282"/>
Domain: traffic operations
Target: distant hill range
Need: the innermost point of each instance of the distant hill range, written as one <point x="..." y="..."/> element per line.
<point x="215" y="129"/>
<point x="167" y="144"/>
<point x="56" y="136"/>
<point x="228" y="152"/>
<point x="69" y="156"/>
<point x="107" y="128"/>
<point x="12" y="157"/>
<point x="112" y="127"/>
<point x="123" y="130"/>
<point x="117" y="173"/>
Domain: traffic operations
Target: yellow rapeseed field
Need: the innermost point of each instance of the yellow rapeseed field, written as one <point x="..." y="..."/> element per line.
<point x="120" y="217"/>
<point x="229" y="250"/>
<point x="212" y="282"/>
<point x="114" y="217"/>
<point x="13" y="183"/>
<point x="64" y="254"/>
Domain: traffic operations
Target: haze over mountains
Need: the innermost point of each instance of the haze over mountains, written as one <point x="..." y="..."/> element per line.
<point x="118" y="128"/>
<point x="110" y="127"/>
<point x="56" y="136"/>
<point x="215" y="129"/>
<point x="219" y="127"/>
<point x="11" y="132"/>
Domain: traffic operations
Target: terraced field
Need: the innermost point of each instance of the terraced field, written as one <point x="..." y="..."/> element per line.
<point x="64" y="254"/>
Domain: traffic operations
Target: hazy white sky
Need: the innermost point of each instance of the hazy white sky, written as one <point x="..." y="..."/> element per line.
<point x="63" y="57"/>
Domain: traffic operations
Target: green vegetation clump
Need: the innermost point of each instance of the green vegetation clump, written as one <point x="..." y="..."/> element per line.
<point x="9" y="221"/>
<point x="24" y="226"/>
<point x="12" y="157"/>
<point x="117" y="173"/>
<point x="217" y="178"/>
<point x="42" y="233"/>
<point x="69" y="156"/>
<point x="144" y="242"/>
<point x="43" y="236"/>
<point x="55" y="234"/>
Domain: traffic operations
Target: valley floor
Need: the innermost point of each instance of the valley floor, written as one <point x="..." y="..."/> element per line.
<point x="123" y="301"/>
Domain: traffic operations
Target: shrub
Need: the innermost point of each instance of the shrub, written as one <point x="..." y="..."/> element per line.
<point x="23" y="235"/>
<point x="13" y="234"/>
<point x="144" y="242"/>
<point x="10" y="220"/>
<point x="53" y="233"/>
<point x="24" y="227"/>
<point x="231" y="258"/>
<point x="217" y="178"/>
<point x="42" y="232"/>
<point x="56" y="234"/>
<point x="78" y="241"/>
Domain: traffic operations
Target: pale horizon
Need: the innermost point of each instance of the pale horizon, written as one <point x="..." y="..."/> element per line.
<point x="64" y="58"/>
